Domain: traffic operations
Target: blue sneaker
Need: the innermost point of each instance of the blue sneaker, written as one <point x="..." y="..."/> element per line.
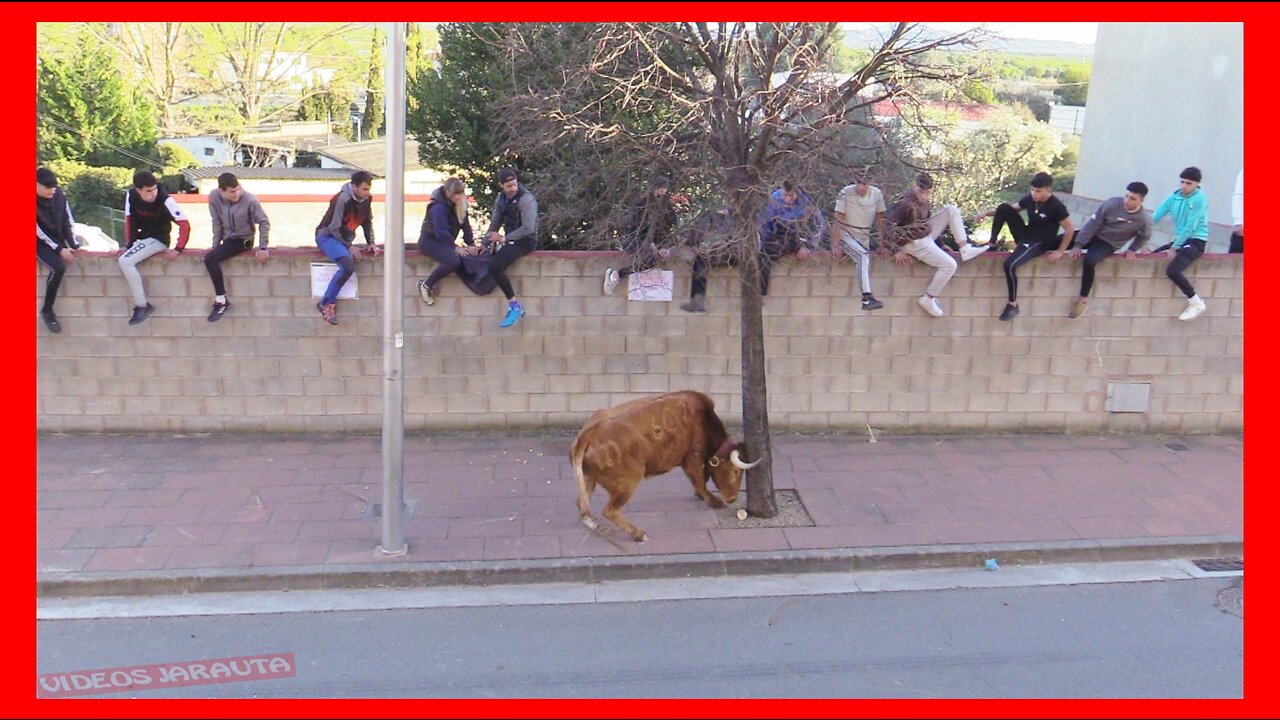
<point x="514" y="313"/>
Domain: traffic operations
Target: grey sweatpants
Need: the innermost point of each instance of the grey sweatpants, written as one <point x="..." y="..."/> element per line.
<point x="137" y="252"/>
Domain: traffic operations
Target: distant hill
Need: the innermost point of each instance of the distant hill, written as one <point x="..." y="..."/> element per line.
<point x="869" y="37"/>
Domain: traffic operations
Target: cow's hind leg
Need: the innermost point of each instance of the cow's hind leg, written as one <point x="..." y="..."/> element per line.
<point x="613" y="510"/>
<point x="586" y="486"/>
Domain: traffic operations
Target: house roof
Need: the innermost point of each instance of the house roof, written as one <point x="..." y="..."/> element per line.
<point x="969" y="112"/>
<point x="268" y="173"/>
<point x="370" y="155"/>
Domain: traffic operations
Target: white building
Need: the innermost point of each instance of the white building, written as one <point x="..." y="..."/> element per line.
<point x="1162" y="97"/>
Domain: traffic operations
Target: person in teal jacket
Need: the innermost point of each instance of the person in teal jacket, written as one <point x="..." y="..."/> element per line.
<point x="1190" y="210"/>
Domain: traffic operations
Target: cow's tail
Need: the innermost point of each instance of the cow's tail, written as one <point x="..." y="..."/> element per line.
<point x="576" y="455"/>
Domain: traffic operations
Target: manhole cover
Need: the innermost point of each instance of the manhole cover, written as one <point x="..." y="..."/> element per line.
<point x="1220" y="564"/>
<point x="791" y="513"/>
<point x="1231" y="600"/>
<point x="1177" y="447"/>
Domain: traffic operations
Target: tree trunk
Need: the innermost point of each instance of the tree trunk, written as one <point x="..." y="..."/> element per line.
<point x="755" y="392"/>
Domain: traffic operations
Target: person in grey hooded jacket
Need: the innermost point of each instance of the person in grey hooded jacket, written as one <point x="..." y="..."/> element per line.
<point x="516" y="212"/>
<point x="351" y="208"/>
<point x="234" y="213"/>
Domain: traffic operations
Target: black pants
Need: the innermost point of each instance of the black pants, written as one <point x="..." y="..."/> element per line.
<point x="228" y="248"/>
<point x="1187" y="254"/>
<point x="640" y="256"/>
<point x="774" y="248"/>
<point x="510" y="252"/>
<point x="447" y="257"/>
<point x="1094" y="253"/>
<point x="52" y="259"/>
<point x="1237" y="244"/>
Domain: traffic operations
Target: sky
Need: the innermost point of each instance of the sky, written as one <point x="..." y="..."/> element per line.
<point x="1085" y="33"/>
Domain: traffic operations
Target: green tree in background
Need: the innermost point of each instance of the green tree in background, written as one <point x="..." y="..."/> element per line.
<point x="1074" y="85"/>
<point x="374" y="95"/>
<point x="86" y="111"/>
<point x="452" y="117"/>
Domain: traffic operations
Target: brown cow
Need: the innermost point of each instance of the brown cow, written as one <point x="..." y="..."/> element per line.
<point x="619" y="447"/>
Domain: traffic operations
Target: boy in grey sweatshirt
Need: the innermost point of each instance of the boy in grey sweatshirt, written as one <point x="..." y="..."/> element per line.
<point x="234" y="213"/>
<point x="1117" y="221"/>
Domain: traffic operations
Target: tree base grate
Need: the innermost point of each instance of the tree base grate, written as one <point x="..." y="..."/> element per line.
<point x="791" y="513"/>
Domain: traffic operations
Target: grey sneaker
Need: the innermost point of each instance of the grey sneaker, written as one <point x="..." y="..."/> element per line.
<point x="697" y="303"/>
<point x="1010" y="312"/>
<point x="427" y="293"/>
<point x="871" y="303"/>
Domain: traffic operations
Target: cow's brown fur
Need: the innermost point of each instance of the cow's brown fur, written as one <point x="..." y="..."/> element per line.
<point x="618" y="447"/>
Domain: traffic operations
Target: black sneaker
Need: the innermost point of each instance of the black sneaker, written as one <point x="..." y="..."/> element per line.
<point x="871" y="303"/>
<point x="50" y="321"/>
<point x="141" y="313"/>
<point x="219" y="309"/>
<point x="1010" y="312"/>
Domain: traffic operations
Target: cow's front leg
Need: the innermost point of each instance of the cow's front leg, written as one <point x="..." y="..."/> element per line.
<point x="697" y="475"/>
<point x="613" y="511"/>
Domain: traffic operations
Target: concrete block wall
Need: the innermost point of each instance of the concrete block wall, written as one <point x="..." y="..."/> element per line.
<point x="273" y="365"/>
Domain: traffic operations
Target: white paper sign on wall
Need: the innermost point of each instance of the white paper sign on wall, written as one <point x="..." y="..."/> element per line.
<point x="322" y="273"/>
<point x="650" y="285"/>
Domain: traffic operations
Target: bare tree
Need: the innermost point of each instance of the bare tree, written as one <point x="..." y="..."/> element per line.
<point x="730" y="109"/>
<point x="158" y="54"/>
<point x="255" y="69"/>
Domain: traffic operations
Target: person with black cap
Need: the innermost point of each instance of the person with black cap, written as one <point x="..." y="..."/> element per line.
<point x="516" y="212"/>
<point x="1189" y="208"/>
<point x="55" y="242"/>
<point x="651" y="221"/>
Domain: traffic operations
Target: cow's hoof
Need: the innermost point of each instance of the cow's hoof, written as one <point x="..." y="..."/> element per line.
<point x="590" y="522"/>
<point x="641" y="537"/>
<point x="715" y="502"/>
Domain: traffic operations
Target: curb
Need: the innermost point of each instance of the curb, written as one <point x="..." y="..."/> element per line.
<point x="398" y="574"/>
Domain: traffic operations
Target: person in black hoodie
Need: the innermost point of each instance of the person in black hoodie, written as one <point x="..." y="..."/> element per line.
<point x="55" y="243"/>
<point x="351" y="208"/>
<point x="149" y="214"/>
<point x="651" y="222"/>
<point x="446" y="217"/>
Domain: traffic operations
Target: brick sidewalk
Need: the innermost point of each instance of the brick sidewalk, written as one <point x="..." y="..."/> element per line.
<point x="117" y="504"/>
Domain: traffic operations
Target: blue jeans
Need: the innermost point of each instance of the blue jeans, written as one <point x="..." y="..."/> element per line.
<point x="337" y="251"/>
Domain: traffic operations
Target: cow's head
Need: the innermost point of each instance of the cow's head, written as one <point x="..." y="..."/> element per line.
<point x="726" y="468"/>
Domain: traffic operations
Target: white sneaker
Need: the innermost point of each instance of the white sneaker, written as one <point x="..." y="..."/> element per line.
<point x="931" y="306"/>
<point x="969" y="252"/>
<point x="610" y="281"/>
<point x="1195" y="306"/>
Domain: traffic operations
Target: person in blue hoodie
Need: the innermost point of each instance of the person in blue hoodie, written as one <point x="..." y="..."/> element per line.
<point x="793" y="225"/>
<point x="446" y="218"/>
<point x="1190" y="211"/>
<point x="350" y="208"/>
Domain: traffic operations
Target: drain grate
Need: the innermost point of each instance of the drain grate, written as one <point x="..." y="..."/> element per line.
<point x="1220" y="564"/>
<point x="1177" y="447"/>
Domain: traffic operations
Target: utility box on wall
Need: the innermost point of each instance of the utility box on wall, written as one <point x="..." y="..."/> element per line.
<point x="1128" y="397"/>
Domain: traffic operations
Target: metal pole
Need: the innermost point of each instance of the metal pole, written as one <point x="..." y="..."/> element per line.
<point x="393" y="299"/>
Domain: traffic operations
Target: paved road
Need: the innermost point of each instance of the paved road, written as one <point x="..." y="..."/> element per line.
<point x="777" y="636"/>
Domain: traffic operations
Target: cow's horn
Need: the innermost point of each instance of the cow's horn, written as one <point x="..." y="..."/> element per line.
<point x="733" y="458"/>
